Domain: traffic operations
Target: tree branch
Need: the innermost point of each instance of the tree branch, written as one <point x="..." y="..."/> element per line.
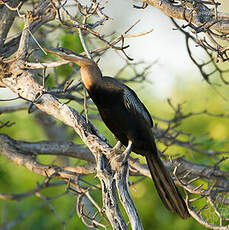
<point x="198" y="17"/>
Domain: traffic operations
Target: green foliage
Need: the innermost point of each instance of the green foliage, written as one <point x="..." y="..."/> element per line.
<point x="71" y="41"/>
<point x="24" y="122"/>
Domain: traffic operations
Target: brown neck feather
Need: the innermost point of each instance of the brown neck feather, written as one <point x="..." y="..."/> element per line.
<point x="80" y="60"/>
<point x="90" y="72"/>
<point x="91" y="75"/>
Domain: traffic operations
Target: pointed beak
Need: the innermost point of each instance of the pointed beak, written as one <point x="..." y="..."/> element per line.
<point x="69" y="55"/>
<point x="62" y="53"/>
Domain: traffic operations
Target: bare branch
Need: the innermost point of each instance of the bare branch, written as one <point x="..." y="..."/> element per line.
<point x="198" y="17"/>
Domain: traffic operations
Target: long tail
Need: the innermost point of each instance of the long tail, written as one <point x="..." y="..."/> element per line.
<point x="165" y="186"/>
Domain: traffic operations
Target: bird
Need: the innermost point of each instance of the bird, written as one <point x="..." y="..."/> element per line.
<point x="128" y="119"/>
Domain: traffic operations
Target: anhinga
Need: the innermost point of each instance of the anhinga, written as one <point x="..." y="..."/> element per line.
<point x="130" y="122"/>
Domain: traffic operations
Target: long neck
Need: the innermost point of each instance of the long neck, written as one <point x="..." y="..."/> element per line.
<point x="90" y="72"/>
<point x="91" y="75"/>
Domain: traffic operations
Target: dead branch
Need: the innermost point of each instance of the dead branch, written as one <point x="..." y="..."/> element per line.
<point x="209" y="26"/>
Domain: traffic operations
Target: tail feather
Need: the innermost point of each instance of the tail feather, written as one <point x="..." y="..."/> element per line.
<point x="165" y="186"/>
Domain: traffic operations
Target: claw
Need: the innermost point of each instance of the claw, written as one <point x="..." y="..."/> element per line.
<point x="123" y="157"/>
<point x="117" y="146"/>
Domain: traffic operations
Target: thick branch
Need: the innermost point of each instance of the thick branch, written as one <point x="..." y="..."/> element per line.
<point x="42" y="14"/>
<point x="30" y="162"/>
<point x="7" y="17"/>
<point x="62" y="148"/>
<point x="122" y="178"/>
<point x="70" y="149"/>
<point x="198" y="18"/>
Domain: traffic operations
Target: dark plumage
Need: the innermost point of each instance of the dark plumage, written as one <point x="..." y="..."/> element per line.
<point x="130" y="122"/>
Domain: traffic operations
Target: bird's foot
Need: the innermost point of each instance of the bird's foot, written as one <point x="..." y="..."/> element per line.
<point x="116" y="152"/>
<point x="122" y="157"/>
<point x="127" y="152"/>
<point x="117" y="160"/>
<point x="117" y="146"/>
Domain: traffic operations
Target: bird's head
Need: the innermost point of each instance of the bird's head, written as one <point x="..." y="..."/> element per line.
<point x="69" y="55"/>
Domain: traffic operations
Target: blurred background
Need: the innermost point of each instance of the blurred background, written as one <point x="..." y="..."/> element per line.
<point x="171" y="75"/>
